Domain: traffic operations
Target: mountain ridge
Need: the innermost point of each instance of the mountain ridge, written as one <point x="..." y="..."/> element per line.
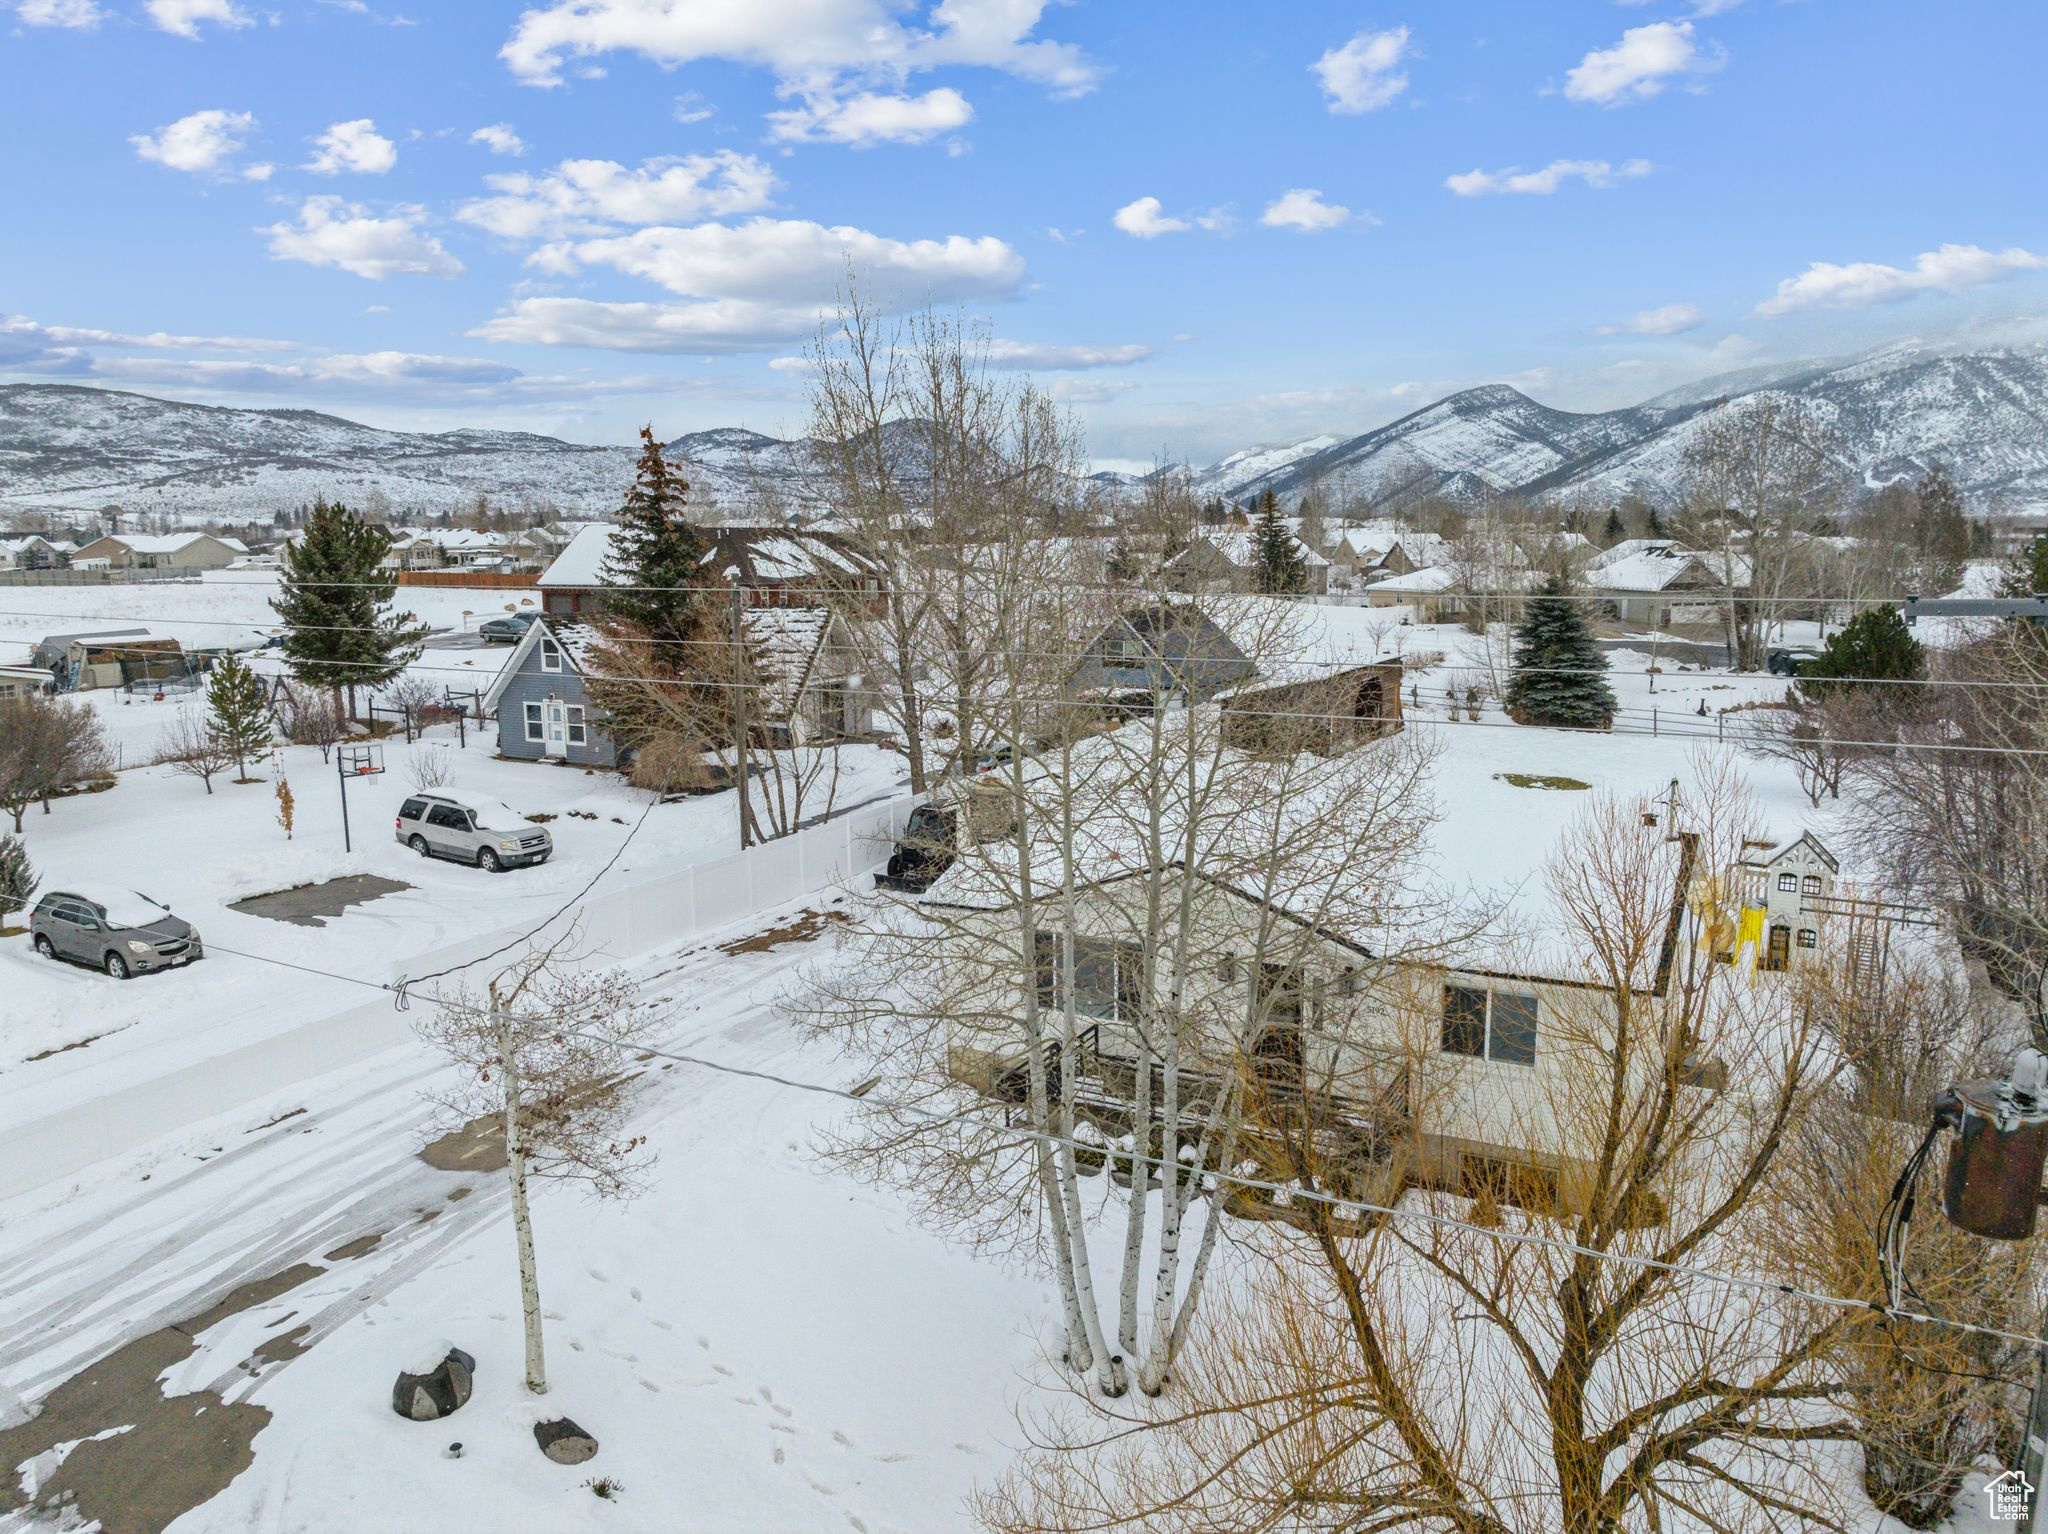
<point x="1983" y="413"/>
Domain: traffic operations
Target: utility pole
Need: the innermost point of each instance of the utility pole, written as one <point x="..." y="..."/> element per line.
<point x="739" y="714"/>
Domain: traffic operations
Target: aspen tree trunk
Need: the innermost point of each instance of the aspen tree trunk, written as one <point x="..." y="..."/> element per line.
<point x="522" y="1219"/>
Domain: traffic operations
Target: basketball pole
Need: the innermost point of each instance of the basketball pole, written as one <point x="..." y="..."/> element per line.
<point x="341" y="776"/>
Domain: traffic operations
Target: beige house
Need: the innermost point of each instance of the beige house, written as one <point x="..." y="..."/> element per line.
<point x="161" y="551"/>
<point x="1446" y="1074"/>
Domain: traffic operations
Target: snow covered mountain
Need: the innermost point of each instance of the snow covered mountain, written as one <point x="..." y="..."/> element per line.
<point x="1982" y="413"/>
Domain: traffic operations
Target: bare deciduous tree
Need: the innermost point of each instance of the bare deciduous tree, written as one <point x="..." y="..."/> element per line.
<point x="46" y="745"/>
<point x="193" y="748"/>
<point x="545" y="1051"/>
<point x="1539" y="1360"/>
<point x="1761" y="477"/>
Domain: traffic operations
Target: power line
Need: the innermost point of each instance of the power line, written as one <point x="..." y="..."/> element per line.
<point x="1349" y="1206"/>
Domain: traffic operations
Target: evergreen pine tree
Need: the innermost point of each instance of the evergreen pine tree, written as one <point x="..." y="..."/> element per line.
<point x="238" y="713"/>
<point x="18" y="877"/>
<point x="1614" y="531"/>
<point x="1279" y="566"/>
<point x="2026" y="573"/>
<point x="334" y="600"/>
<point x="1873" y="646"/>
<point x="657" y="555"/>
<point x="1559" y="673"/>
<point x="1653" y="525"/>
<point x="1941" y="531"/>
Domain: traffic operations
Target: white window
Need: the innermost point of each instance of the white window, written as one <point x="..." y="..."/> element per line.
<point x="533" y="726"/>
<point x="550" y="654"/>
<point x="578" y="733"/>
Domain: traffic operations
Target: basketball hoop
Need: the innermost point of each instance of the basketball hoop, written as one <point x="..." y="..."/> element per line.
<point x="362" y="761"/>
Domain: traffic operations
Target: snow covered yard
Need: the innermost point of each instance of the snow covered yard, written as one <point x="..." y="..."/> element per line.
<point x="756" y="1343"/>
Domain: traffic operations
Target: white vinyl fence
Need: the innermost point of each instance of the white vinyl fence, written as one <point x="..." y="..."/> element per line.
<point x="619" y="923"/>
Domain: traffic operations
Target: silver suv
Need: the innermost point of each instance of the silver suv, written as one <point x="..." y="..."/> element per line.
<point x="129" y="940"/>
<point x="491" y="836"/>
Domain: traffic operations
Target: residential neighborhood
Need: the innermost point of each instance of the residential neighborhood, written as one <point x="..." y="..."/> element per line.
<point x="1039" y="769"/>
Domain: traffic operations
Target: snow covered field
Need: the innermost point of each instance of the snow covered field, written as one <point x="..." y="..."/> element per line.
<point x="758" y="1342"/>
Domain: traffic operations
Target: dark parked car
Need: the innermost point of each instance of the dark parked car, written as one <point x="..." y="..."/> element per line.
<point x="123" y="938"/>
<point x="509" y="629"/>
<point x="1791" y="662"/>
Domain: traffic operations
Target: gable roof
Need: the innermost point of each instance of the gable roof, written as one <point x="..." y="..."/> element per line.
<point x="575" y="637"/>
<point x="748" y="556"/>
<point x="1804" y="839"/>
<point x="1240" y="546"/>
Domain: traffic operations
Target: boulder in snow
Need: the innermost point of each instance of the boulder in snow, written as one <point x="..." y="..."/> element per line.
<point x="563" y="1441"/>
<point x="435" y="1392"/>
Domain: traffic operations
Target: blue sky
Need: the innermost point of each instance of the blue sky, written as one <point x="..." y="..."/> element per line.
<point x="1203" y="225"/>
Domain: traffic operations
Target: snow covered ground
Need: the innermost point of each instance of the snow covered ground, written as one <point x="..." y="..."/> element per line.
<point x="758" y="1342"/>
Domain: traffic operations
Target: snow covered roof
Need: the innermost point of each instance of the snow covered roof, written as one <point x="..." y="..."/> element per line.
<point x="746" y="555"/>
<point x="168" y="543"/>
<point x="1659" y="567"/>
<point x="784" y="644"/>
<point x="446" y="538"/>
<point x="1427" y="580"/>
<point x="576" y="638"/>
<point x="1240" y="546"/>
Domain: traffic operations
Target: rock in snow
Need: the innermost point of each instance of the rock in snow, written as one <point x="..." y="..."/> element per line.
<point x="436" y="1393"/>
<point x="563" y="1441"/>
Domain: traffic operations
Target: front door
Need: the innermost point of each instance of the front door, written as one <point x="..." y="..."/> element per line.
<point x="555" y="728"/>
<point x="1779" y="953"/>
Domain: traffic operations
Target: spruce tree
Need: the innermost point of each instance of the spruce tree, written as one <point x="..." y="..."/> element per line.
<point x="238" y="713"/>
<point x="656" y="563"/>
<point x="1559" y="676"/>
<point x="1873" y="646"/>
<point x="1614" y="531"/>
<point x="18" y="877"/>
<point x="2026" y="573"/>
<point x="1941" y="532"/>
<point x="1279" y="567"/>
<point x="334" y="600"/>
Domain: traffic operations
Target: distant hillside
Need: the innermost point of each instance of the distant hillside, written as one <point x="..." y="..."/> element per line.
<point x="1983" y="414"/>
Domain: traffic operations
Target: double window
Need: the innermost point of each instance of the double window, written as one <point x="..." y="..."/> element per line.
<point x="1108" y="976"/>
<point x="1490" y="1025"/>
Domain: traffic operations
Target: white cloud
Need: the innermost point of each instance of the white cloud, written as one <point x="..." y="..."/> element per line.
<point x="79" y="14"/>
<point x="712" y="327"/>
<point x="873" y="118"/>
<point x="1639" y="66"/>
<point x="584" y="197"/>
<point x="21" y="338"/>
<point x="499" y="138"/>
<point x="1541" y="183"/>
<point x="1364" y="74"/>
<point x="1046" y="358"/>
<point x="331" y="232"/>
<point x="761" y="283"/>
<point x="182" y="17"/>
<point x="1947" y="270"/>
<point x="797" y="262"/>
<point x="1303" y="208"/>
<point x="202" y="141"/>
<point x="1145" y="219"/>
<point x="1671" y="320"/>
<point x="353" y="146"/>
<point x="808" y="43"/>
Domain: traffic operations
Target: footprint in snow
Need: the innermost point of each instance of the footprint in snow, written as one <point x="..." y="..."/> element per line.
<point x="841" y="1439"/>
<point x="721" y="1369"/>
<point x="667" y="1326"/>
<point x="778" y="1454"/>
<point x="858" y="1525"/>
<point x="650" y="1385"/>
<point x="634" y="1292"/>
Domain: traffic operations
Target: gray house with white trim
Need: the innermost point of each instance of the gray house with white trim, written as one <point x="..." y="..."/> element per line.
<point x="543" y="706"/>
